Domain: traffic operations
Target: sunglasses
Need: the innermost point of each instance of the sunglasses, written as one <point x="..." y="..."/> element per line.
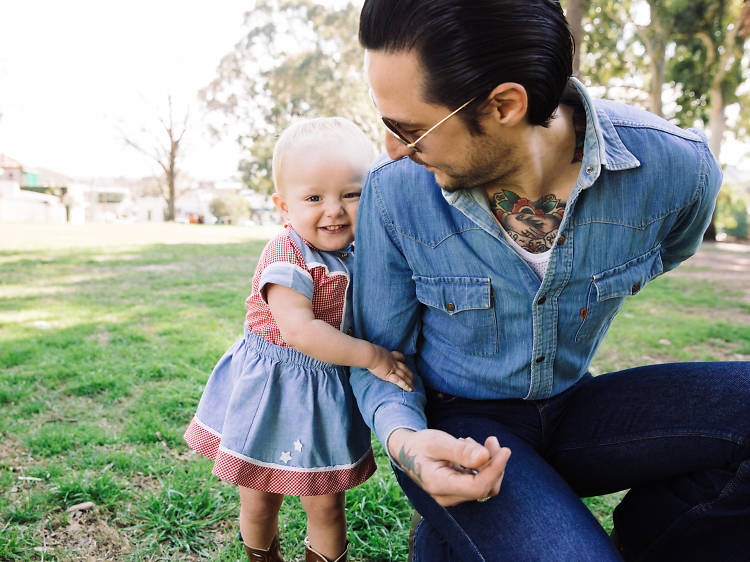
<point x="395" y="129"/>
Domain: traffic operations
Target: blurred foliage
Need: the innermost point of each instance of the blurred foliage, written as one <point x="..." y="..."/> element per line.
<point x="706" y="50"/>
<point x="698" y="38"/>
<point x="232" y="207"/>
<point x="732" y="212"/>
<point x="297" y="59"/>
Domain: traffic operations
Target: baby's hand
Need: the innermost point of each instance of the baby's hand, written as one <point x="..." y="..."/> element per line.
<point x="389" y="366"/>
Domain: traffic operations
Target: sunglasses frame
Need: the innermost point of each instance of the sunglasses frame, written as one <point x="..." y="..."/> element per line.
<point x="412" y="145"/>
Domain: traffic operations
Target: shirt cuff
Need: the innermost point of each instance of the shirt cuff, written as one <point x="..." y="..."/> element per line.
<point x="391" y="417"/>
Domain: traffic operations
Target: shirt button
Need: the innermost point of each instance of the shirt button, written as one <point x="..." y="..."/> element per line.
<point x="560" y="240"/>
<point x="540" y="359"/>
<point x="636" y="288"/>
<point x="344" y="255"/>
<point x="450" y="307"/>
<point x="541" y="300"/>
<point x="589" y="170"/>
<point x="350" y="331"/>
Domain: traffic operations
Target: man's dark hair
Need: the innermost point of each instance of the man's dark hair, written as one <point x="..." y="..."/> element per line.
<point x="467" y="47"/>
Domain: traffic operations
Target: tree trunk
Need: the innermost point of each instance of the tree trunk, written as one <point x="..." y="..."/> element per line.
<point x="171" y="177"/>
<point x="657" y="54"/>
<point x="718" y="121"/>
<point x="574" y="13"/>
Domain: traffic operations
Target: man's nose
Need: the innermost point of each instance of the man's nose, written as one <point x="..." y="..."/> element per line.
<point x="395" y="148"/>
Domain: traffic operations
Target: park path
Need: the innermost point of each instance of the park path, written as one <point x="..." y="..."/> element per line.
<point x="726" y="264"/>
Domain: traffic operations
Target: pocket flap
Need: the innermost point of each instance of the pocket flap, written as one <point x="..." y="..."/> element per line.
<point x="628" y="278"/>
<point x="454" y="294"/>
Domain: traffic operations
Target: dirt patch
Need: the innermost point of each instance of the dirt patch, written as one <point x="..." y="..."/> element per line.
<point x="14" y="457"/>
<point x="727" y="265"/>
<point x="86" y="536"/>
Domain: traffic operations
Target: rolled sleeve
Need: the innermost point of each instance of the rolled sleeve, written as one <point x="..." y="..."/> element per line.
<point x="287" y="275"/>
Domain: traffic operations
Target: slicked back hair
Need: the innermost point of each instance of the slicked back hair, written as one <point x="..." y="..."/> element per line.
<point x="467" y="47"/>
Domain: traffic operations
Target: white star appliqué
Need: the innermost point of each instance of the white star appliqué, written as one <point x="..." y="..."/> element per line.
<point x="285" y="457"/>
<point x="298" y="445"/>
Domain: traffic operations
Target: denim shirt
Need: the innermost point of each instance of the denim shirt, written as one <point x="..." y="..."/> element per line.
<point x="437" y="280"/>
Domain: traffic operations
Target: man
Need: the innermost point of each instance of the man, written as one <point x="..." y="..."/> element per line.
<point x="494" y="251"/>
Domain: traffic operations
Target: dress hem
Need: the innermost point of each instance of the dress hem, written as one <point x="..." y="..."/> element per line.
<point x="299" y="482"/>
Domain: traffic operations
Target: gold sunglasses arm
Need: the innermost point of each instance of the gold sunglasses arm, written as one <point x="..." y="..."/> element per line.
<point x="413" y="145"/>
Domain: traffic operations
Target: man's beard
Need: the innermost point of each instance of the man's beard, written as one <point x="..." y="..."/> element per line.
<point x="488" y="163"/>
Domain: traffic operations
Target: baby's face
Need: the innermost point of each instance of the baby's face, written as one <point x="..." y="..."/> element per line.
<point x="319" y="194"/>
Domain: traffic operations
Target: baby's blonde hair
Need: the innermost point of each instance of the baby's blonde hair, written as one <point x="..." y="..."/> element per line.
<point x="321" y="129"/>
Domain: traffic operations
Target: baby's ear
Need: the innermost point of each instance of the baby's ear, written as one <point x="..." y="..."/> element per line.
<point x="280" y="204"/>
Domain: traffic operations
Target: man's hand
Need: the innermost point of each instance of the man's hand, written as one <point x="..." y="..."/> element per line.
<point x="450" y="469"/>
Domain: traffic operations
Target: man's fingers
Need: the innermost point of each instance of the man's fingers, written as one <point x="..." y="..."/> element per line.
<point x="473" y="480"/>
<point x="491" y="475"/>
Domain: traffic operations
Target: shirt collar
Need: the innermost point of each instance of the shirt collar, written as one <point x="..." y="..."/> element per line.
<point x="603" y="146"/>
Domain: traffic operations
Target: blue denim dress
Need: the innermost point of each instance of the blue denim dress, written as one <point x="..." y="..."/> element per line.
<point x="277" y="420"/>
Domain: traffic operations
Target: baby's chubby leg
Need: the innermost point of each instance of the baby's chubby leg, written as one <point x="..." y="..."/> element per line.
<point x="259" y="517"/>
<point x="326" y="523"/>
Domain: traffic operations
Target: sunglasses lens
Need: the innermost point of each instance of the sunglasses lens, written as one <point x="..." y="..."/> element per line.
<point x="393" y="128"/>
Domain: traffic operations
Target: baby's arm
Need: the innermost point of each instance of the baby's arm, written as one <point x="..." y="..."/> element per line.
<point x="294" y="316"/>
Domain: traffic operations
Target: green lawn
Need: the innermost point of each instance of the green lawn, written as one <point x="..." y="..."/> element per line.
<point x="107" y="335"/>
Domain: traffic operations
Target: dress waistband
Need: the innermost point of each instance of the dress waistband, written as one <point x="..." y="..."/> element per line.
<point x="286" y="354"/>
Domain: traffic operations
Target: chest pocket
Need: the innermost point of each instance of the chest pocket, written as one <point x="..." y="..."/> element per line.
<point x="459" y="312"/>
<point x="608" y="290"/>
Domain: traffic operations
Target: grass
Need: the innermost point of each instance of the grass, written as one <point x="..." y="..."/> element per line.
<point x="107" y="335"/>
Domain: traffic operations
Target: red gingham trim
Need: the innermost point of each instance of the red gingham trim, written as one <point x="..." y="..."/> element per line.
<point x="201" y="440"/>
<point x="291" y="481"/>
<point x="276" y="480"/>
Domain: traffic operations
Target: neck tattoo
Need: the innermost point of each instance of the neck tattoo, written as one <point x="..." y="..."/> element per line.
<point x="533" y="225"/>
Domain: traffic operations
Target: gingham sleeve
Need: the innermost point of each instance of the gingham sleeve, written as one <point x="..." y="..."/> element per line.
<point x="284" y="265"/>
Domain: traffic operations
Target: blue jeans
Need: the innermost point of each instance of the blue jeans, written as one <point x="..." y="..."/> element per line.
<point x="677" y="436"/>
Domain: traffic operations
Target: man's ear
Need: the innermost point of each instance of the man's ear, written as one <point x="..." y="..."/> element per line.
<point x="281" y="205"/>
<point x="509" y="103"/>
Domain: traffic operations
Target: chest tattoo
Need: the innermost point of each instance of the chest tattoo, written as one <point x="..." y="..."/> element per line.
<point x="533" y="225"/>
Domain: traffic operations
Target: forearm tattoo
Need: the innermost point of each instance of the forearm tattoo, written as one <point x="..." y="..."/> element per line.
<point x="409" y="463"/>
<point x="532" y="224"/>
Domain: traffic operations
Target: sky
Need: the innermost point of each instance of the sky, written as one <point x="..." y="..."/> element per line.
<point x="77" y="74"/>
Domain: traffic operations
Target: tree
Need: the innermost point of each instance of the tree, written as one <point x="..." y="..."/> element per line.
<point x="709" y="64"/>
<point x="574" y="13"/>
<point x="696" y="52"/>
<point x="229" y="206"/>
<point x="296" y="59"/>
<point x="165" y="153"/>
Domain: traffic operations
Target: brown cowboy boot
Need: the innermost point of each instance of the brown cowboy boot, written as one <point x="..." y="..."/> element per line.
<point x="271" y="554"/>
<point x="313" y="556"/>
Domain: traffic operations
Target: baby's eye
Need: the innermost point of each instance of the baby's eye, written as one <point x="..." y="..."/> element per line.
<point x="313" y="198"/>
<point x="353" y="195"/>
